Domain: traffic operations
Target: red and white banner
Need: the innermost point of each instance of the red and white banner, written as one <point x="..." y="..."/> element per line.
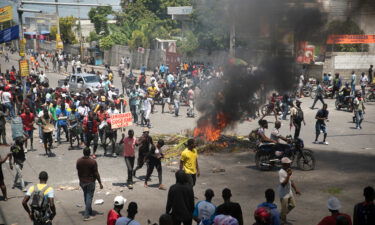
<point x="121" y="120"/>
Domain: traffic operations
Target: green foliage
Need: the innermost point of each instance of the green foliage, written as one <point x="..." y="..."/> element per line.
<point x="66" y="30"/>
<point x="138" y="39"/>
<point x="189" y="44"/>
<point x="99" y="17"/>
<point x="119" y="38"/>
<point x="53" y="32"/>
<point x="93" y="36"/>
<point x="346" y="27"/>
<point x="106" y="42"/>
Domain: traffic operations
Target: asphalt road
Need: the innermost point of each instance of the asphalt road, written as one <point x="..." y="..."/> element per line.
<point x="344" y="168"/>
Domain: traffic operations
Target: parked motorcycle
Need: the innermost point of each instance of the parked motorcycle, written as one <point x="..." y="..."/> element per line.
<point x="268" y="157"/>
<point x="327" y="92"/>
<point x="344" y="102"/>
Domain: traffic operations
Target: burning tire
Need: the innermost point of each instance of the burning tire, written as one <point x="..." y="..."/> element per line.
<point x="306" y="160"/>
<point x="262" y="161"/>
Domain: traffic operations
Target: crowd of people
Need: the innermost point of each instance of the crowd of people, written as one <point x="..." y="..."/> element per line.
<point x="84" y="118"/>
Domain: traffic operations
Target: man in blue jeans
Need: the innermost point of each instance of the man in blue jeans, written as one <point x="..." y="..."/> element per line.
<point x="88" y="173"/>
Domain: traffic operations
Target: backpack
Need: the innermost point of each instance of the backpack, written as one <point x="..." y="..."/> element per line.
<point x="299" y="115"/>
<point x="254" y="136"/>
<point x="38" y="202"/>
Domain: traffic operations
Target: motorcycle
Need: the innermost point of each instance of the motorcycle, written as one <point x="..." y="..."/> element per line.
<point x="267" y="109"/>
<point x="268" y="157"/>
<point x="327" y="92"/>
<point x="370" y="96"/>
<point x="344" y="102"/>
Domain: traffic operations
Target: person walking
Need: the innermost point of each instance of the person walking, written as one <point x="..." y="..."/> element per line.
<point x="320" y="125"/>
<point x="359" y="110"/>
<point x="2" y="184"/>
<point x="337" y="83"/>
<point x="285" y="189"/>
<point x="204" y="211"/>
<point x="318" y="94"/>
<point x="28" y="126"/>
<point x="129" y="220"/>
<point x="230" y="208"/>
<point x="296" y="118"/>
<point x="90" y="128"/>
<point x="268" y="204"/>
<point x="88" y="173"/>
<point x="334" y="205"/>
<point x="42" y="208"/>
<point x="189" y="162"/>
<point x="129" y="155"/>
<point x="47" y="127"/>
<point x="180" y="201"/>
<point x="154" y="161"/>
<point x="18" y="156"/>
<point x="370" y="74"/>
<point x="115" y="213"/>
<point x="62" y="116"/>
<point x="353" y="81"/>
<point x="364" y="212"/>
<point x="145" y="143"/>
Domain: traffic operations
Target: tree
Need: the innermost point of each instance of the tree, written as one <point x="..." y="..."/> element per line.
<point x="106" y="42"/>
<point x="346" y="27"/>
<point x="138" y="39"/>
<point x="99" y="17"/>
<point x="189" y="44"/>
<point x="66" y="29"/>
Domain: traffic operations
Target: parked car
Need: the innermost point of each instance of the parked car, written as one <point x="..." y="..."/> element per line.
<point x="81" y="82"/>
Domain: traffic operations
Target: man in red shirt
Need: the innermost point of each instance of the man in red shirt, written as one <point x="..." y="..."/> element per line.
<point x="129" y="153"/>
<point x="114" y="213"/>
<point x="90" y="128"/>
<point x="334" y="205"/>
<point x="28" y="126"/>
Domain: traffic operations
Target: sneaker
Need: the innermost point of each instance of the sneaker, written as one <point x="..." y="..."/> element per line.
<point x="357" y="128"/>
<point x="88" y="218"/>
<point x="130" y="186"/>
<point x="325" y="143"/>
<point x="25" y="150"/>
<point x="316" y="142"/>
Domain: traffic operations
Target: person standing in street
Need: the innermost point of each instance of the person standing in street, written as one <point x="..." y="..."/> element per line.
<point x="189" y="162"/>
<point x="285" y="189"/>
<point x="115" y="213"/>
<point x="180" y="202"/>
<point x="129" y="155"/>
<point x="191" y="98"/>
<point x="145" y="143"/>
<point x="370" y="74"/>
<point x="90" y="128"/>
<point x="18" y="156"/>
<point x="42" y="208"/>
<point x="320" y="125"/>
<point x="2" y="184"/>
<point x="230" y="208"/>
<point x="154" y="160"/>
<point x="88" y="173"/>
<point x="296" y="118"/>
<point x="318" y="94"/>
<point x="204" y="211"/>
<point x="359" y="110"/>
<point x="275" y="214"/>
<point x="363" y="82"/>
<point x="364" y="212"/>
<point x="62" y="116"/>
<point x="129" y="220"/>
<point x="337" y="83"/>
<point x="334" y="206"/>
<point x="353" y="81"/>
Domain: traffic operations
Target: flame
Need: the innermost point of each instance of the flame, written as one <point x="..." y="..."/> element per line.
<point x="211" y="130"/>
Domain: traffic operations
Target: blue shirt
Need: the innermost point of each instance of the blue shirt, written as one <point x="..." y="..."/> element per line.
<point x="133" y="98"/>
<point x="61" y="113"/>
<point x="205" y="211"/>
<point x="274" y="212"/>
<point x="162" y="69"/>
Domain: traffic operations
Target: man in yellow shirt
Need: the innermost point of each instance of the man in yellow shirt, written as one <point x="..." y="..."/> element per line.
<point x="43" y="211"/>
<point x="189" y="162"/>
<point x="152" y="91"/>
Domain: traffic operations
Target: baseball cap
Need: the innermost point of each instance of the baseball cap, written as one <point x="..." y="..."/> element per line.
<point x="286" y="160"/>
<point x="119" y="200"/>
<point x="333" y="203"/>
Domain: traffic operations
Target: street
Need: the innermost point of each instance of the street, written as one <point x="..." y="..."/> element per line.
<point x="343" y="169"/>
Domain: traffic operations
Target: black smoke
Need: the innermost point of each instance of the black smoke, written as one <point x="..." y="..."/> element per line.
<point x="268" y="30"/>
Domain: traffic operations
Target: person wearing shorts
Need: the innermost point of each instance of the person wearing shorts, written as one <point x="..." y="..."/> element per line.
<point x="320" y="125"/>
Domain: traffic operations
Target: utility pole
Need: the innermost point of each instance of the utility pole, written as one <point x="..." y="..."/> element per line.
<point x="80" y="33"/>
<point x="232" y="30"/>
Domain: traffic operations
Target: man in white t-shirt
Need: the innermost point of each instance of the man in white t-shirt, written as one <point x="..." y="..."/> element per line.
<point x="6" y="99"/>
<point x="129" y="220"/>
<point x="285" y="189"/>
<point x="363" y="82"/>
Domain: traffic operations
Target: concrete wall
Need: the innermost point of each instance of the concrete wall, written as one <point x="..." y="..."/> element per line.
<point x="345" y="62"/>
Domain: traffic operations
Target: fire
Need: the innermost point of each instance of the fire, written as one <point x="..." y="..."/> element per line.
<point x="211" y="130"/>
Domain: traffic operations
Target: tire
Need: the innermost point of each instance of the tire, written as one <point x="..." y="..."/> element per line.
<point x="337" y="104"/>
<point x="261" y="158"/>
<point x="307" y="92"/>
<point x="307" y="162"/>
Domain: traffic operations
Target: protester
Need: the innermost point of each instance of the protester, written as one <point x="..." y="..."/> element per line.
<point x="359" y="110"/>
<point x="129" y="155"/>
<point x="145" y="143"/>
<point x="2" y="184"/>
<point x="262" y="216"/>
<point x="233" y="209"/>
<point x="363" y="81"/>
<point x="90" y="128"/>
<point x="296" y="118"/>
<point x="189" y="162"/>
<point x="337" y="83"/>
<point x="47" y="127"/>
<point x="132" y="211"/>
<point x="42" y="207"/>
<point x="364" y="212"/>
<point x="334" y="205"/>
<point x="115" y="213"/>
<point x="353" y="81"/>
<point x="154" y="161"/>
<point x="204" y="211"/>
<point x="18" y="156"/>
<point x="88" y="173"/>
<point x="61" y="114"/>
<point x="318" y="94"/>
<point x="225" y="217"/>
<point x="285" y="189"/>
<point x="320" y="125"/>
<point x="28" y="126"/>
<point x="370" y="74"/>
<point x="269" y="205"/>
<point x="180" y="202"/>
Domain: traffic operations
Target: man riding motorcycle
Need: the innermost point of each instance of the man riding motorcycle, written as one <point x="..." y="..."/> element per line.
<point x="346" y="92"/>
